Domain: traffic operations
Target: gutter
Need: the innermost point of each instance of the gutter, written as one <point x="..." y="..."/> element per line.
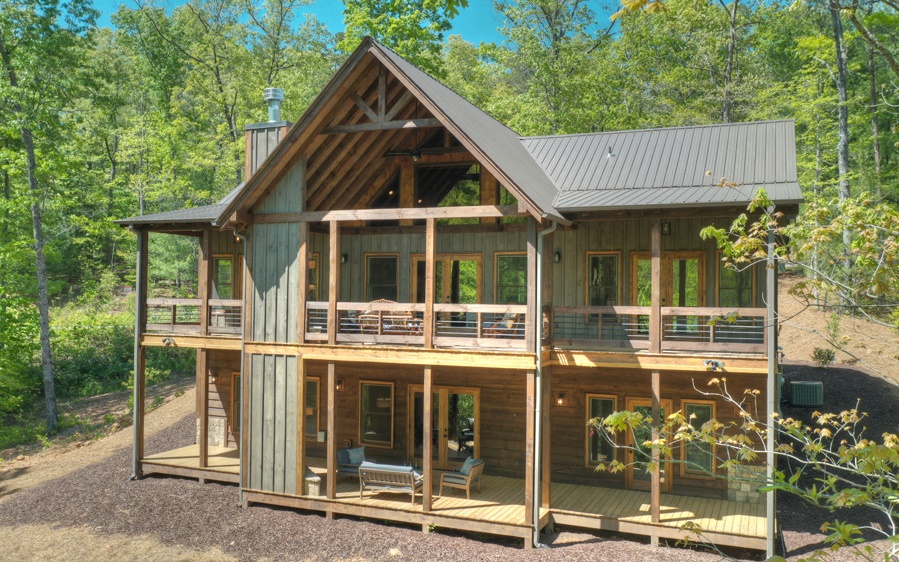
<point x="243" y="384"/>
<point x="538" y="406"/>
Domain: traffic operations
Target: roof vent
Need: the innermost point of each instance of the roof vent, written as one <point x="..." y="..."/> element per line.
<point x="807" y="393"/>
<point x="273" y="97"/>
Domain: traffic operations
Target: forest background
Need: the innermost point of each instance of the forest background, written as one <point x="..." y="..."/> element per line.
<point x="98" y="124"/>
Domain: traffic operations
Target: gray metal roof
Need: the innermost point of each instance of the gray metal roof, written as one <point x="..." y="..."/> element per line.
<point x="496" y="141"/>
<point x="675" y="167"/>
<point x="202" y="214"/>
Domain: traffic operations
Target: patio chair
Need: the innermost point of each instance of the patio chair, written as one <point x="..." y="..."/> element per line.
<point x="464" y="477"/>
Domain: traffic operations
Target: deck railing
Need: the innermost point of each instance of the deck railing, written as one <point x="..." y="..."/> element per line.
<point x="455" y="325"/>
<point x="739" y="330"/>
<point x="183" y="315"/>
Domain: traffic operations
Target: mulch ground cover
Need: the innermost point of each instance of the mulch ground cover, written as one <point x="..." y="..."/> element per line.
<point x="182" y="512"/>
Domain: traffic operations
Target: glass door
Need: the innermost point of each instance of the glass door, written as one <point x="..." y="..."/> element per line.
<point x="455" y="427"/>
<point x="639" y="455"/>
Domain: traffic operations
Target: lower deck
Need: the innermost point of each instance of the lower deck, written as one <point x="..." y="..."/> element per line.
<point x="499" y="506"/>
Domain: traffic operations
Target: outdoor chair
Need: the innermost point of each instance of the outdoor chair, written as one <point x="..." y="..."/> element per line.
<point x="464" y="477"/>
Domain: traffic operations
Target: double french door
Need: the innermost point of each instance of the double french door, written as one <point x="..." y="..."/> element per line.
<point x="455" y="425"/>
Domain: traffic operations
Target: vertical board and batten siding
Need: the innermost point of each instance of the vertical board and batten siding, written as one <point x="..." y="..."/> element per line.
<point x="626" y="237"/>
<point x="272" y="399"/>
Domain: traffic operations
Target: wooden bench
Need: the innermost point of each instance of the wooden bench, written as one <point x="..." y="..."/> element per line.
<point x="389" y="478"/>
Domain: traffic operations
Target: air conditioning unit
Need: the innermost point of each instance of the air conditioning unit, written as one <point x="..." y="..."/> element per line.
<point x="807" y="393"/>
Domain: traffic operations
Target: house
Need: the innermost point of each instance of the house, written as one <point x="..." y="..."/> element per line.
<point x="402" y="272"/>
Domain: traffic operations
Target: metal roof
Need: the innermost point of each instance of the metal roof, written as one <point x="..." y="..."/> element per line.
<point x="205" y="213"/>
<point x="674" y="167"/>
<point x="494" y="140"/>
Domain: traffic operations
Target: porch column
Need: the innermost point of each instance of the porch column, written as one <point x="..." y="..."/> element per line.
<point x="300" y="488"/>
<point x="333" y="281"/>
<point x="332" y="437"/>
<point x="771" y="398"/>
<point x="303" y="281"/>
<point x="530" y="430"/>
<point x="430" y="272"/>
<point x="140" y="326"/>
<point x="427" y="440"/>
<point x="204" y="282"/>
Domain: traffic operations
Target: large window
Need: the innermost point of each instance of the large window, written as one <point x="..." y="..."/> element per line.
<point x="602" y="279"/>
<point x="735" y="285"/>
<point x="312" y="408"/>
<point x="381" y="277"/>
<point x="376" y="413"/>
<point x="599" y="449"/>
<point x="699" y="457"/>
<point x="511" y="278"/>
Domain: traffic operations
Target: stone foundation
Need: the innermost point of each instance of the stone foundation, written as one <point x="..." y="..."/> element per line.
<point x="744" y="481"/>
<point x="216" y="436"/>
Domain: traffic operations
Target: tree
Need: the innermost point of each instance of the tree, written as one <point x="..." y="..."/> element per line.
<point x="41" y="52"/>
<point x="829" y="463"/>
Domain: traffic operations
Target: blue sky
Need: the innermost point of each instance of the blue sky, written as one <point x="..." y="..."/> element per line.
<point x="477" y="23"/>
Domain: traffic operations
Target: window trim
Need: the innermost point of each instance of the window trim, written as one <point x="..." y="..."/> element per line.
<point x="377" y="444"/>
<point x="753" y="278"/>
<point x="318" y="408"/>
<point x="684" y="471"/>
<point x="365" y="268"/>
<point x="618" y="283"/>
<point x="589" y="396"/>
<point x="496" y="257"/>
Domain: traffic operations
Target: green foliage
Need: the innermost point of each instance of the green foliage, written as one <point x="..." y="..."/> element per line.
<point x="823" y="357"/>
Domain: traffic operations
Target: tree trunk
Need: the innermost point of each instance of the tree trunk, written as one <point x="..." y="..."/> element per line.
<point x="731" y="62"/>
<point x="843" y="138"/>
<point x="875" y="133"/>
<point x="43" y="297"/>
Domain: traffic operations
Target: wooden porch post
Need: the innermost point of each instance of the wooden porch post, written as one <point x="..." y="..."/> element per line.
<point x="333" y="281"/>
<point x="140" y="358"/>
<point x="530" y="430"/>
<point x="204" y="284"/>
<point x="303" y="281"/>
<point x="533" y="306"/>
<point x="430" y="271"/>
<point x="332" y="426"/>
<point x="427" y="440"/>
<point x="300" y="488"/>
<point x="655" y="346"/>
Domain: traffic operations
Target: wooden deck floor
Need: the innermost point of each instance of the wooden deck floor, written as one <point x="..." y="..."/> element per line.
<point x="499" y="506"/>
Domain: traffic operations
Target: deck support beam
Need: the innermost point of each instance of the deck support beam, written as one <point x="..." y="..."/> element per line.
<point x="140" y="357"/>
<point x="428" y="442"/>
<point x="332" y="435"/>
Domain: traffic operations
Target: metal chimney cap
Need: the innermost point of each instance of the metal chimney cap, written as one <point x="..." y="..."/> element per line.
<point x="273" y="94"/>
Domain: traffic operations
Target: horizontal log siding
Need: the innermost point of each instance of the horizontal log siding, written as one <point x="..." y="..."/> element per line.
<point x="273" y="423"/>
<point x="502" y="423"/>
<point x="626" y="236"/>
<point x="569" y="428"/>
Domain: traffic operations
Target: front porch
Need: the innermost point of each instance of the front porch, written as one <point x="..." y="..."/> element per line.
<point x="499" y="507"/>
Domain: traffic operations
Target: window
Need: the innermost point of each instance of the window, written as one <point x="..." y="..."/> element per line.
<point x="312" y="409"/>
<point x="735" y="285"/>
<point x="511" y="279"/>
<point x="699" y="457"/>
<point x="602" y="279"/>
<point x="313" y="276"/>
<point x="599" y="450"/>
<point x="376" y="414"/>
<point x="235" y="403"/>
<point x="222" y="277"/>
<point x="381" y="277"/>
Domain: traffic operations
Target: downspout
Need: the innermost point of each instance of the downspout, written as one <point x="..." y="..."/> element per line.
<point x="538" y="407"/>
<point x="243" y="334"/>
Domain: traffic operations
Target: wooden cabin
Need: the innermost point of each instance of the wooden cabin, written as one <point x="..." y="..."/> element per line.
<point x="402" y="272"/>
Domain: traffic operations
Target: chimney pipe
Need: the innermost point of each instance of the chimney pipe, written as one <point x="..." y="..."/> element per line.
<point x="273" y="97"/>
